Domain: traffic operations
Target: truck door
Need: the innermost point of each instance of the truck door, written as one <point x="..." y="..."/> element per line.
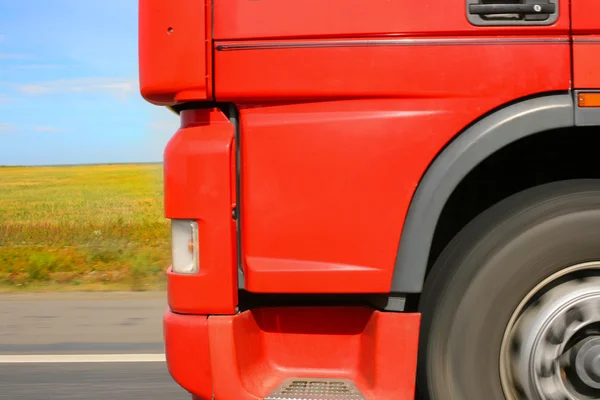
<point x="586" y="43"/>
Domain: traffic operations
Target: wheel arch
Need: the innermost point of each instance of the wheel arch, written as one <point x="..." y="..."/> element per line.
<point x="482" y="139"/>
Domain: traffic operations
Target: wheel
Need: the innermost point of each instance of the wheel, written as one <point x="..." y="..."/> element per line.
<point x="511" y="308"/>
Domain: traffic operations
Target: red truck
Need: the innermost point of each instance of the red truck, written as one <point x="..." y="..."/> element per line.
<point x="380" y="199"/>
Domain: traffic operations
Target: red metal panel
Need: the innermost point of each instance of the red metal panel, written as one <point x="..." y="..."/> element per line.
<point x="175" y="54"/>
<point x="585" y="16"/>
<point x="252" y="352"/>
<point x="198" y="162"/>
<point x="187" y="352"/>
<point x="586" y="43"/>
<point x="243" y="19"/>
<point x="391" y="68"/>
<point x="326" y="184"/>
<point x="586" y="61"/>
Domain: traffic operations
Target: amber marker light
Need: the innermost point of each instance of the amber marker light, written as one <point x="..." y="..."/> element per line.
<point x="588" y="99"/>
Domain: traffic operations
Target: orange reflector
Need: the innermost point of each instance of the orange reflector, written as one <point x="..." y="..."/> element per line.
<point x="588" y="99"/>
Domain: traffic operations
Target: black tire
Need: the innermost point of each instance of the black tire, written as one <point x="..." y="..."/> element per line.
<point x="485" y="272"/>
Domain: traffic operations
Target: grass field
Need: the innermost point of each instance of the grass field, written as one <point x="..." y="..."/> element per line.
<point x="82" y="228"/>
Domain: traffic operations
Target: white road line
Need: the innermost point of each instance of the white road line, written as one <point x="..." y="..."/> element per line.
<point x="80" y="358"/>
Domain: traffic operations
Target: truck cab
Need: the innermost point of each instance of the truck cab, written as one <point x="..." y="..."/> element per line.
<point x="376" y="199"/>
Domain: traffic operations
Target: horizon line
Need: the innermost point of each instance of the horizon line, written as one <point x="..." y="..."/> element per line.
<point x="81" y="165"/>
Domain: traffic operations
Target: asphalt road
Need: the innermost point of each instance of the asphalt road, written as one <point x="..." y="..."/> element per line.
<point x="55" y="347"/>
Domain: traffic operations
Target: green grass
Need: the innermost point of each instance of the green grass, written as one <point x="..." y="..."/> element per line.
<point x="89" y="227"/>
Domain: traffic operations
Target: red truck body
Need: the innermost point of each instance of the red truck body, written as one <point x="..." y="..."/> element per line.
<point x="319" y="144"/>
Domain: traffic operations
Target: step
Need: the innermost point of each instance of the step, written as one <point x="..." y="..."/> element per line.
<point x="316" y="389"/>
<point x="253" y="352"/>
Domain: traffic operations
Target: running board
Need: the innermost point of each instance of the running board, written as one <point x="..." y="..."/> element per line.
<point x="316" y="389"/>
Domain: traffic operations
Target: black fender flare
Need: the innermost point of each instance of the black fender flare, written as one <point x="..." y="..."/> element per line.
<point x="482" y="139"/>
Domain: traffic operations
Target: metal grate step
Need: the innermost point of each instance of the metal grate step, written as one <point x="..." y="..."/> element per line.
<point x="316" y="389"/>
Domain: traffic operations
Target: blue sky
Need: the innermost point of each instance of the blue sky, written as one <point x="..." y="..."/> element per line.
<point x="68" y="85"/>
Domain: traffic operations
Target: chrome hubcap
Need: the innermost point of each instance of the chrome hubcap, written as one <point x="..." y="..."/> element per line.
<point x="587" y="361"/>
<point x="551" y="347"/>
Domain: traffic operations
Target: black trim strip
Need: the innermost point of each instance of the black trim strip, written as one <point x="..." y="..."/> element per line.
<point x="277" y="45"/>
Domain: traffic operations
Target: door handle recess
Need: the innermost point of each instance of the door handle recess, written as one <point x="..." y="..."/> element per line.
<point x="523" y="9"/>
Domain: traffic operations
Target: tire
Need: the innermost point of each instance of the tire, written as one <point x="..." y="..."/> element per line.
<point x="484" y="273"/>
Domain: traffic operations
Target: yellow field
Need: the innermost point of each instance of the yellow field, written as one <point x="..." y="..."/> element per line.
<point x="83" y="227"/>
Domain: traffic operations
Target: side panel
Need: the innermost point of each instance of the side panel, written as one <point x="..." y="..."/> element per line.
<point x="326" y="185"/>
<point x="198" y="165"/>
<point x="188" y="352"/>
<point x="343" y="106"/>
<point x="493" y="69"/>
<point x="586" y="43"/>
<point x="175" y="54"/>
<point x="277" y="19"/>
<point x="585" y="16"/>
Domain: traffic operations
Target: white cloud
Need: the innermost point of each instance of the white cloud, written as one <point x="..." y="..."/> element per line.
<point x="4" y="98"/>
<point x="34" y="89"/>
<point x="47" y="129"/>
<point x="7" y="127"/>
<point x="114" y="86"/>
<point x="12" y="56"/>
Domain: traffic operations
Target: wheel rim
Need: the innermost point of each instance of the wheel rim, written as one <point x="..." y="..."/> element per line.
<point x="551" y="347"/>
